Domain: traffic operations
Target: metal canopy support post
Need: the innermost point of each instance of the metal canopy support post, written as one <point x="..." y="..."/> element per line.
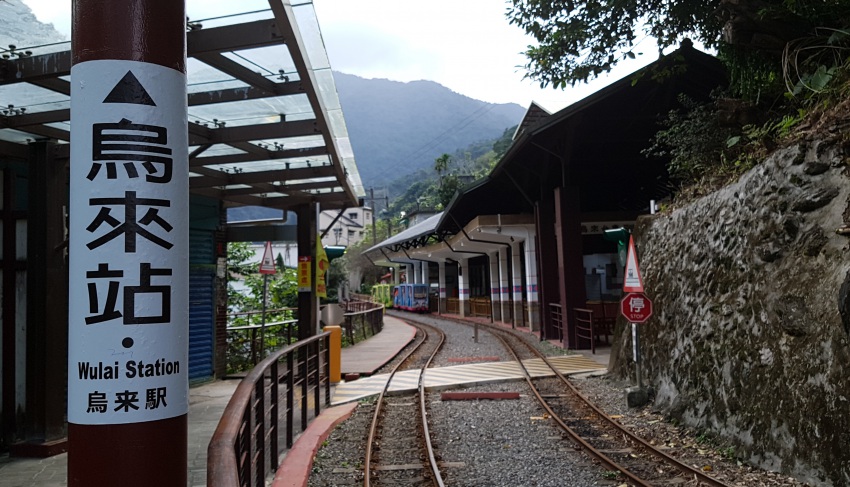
<point x="47" y="304"/>
<point x="128" y="283"/>
<point x="308" y="304"/>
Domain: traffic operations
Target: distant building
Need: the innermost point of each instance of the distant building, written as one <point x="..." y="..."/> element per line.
<point x="352" y="226"/>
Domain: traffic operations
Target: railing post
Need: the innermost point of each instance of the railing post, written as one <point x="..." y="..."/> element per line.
<point x="290" y="396"/>
<point x="274" y="424"/>
<point x="260" y="430"/>
<point x="317" y="392"/>
<point x="328" y="364"/>
<point x="305" y="374"/>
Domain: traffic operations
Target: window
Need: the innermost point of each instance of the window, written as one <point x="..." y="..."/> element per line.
<point x="352" y="215"/>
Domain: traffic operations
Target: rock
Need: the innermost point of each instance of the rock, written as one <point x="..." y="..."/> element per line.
<point x="813" y="241"/>
<point x="812" y="200"/>
<point x="844" y="303"/>
<point x="815" y="168"/>
<point x="791" y="314"/>
<point x="768" y="252"/>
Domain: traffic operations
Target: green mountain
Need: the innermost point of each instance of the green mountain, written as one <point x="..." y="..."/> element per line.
<point x="399" y="128"/>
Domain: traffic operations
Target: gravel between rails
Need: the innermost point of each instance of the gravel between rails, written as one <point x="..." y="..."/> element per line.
<point x="507" y="443"/>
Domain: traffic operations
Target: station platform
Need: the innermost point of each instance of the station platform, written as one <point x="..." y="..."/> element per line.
<point x="366" y="357"/>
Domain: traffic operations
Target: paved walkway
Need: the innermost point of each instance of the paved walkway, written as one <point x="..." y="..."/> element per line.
<point x="366" y="357"/>
<point x="206" y="403"/>
<point x="444" y="377"/>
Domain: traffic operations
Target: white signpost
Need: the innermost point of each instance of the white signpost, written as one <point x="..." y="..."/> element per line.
<point x="129" y="220"/>
<point x="633" y="286"/>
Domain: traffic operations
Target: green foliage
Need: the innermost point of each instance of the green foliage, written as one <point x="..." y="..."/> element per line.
<point x="694" y="141"/>
<point x="580" y="40"/>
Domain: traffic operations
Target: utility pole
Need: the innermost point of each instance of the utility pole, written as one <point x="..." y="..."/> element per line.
<point x="374" y="213"/>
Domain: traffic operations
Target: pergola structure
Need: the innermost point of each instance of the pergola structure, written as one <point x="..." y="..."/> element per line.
<point x="265" y="124"/>
<point x="265" y="129"/>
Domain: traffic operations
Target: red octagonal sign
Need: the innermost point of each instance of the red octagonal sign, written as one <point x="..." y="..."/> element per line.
<point x="636" y="307"/>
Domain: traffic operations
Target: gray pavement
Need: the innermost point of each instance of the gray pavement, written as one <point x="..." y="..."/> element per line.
<point x="206" y="403"/>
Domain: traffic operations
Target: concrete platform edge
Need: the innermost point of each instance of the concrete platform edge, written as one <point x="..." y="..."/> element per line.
<point x="295" y="469"/>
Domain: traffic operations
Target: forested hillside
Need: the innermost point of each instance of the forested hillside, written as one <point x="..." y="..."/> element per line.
<point x="398" y="128"/>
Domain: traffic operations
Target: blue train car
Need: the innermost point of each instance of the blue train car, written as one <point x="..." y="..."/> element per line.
<point x="411" y="297"/>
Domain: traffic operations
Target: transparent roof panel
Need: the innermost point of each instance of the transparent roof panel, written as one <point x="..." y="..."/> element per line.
<point x="217" y="150"/>
<point x="248" y="112"/>
<point x="268" y="61"/>
<point x="274" y="63"/>
<point x="308" y="24"/>
<point x="32" y="98"/>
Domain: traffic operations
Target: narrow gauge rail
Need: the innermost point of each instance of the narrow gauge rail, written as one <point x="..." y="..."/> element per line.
<point x="379" y="406"/>
<point x="597" y="433"/>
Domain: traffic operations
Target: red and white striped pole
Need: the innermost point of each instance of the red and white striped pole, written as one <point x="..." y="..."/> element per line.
<point x="128" y="270"/>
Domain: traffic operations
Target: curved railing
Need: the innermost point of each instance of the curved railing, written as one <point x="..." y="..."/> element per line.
<point x="363" y="319"/>
<point x="244" y="449"/>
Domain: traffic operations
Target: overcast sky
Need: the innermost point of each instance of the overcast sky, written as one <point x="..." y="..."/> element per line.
<point x="465" y="45"/>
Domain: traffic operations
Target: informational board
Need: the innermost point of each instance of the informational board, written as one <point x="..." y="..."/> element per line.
<point x="305" y="281"/>
<point x="129" y="244"/>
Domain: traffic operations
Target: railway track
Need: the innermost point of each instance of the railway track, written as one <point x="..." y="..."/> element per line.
<point x="616" y="448"/>
<point x="390" y="457"/>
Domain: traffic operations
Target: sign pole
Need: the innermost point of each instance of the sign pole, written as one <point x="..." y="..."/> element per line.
<point x="267" y="267"/>
<point x="263" y="322"/>
<point x="129" y="245"/>
<point x="636" y="353"/>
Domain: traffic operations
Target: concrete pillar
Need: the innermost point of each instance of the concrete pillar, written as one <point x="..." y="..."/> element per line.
<point x="128" y="294"/>
<point x="442" y="283"/>
<point x="463" y="287"/>
<point x="516" y="292"/>
<point x="533" y="317"/>
<point x="495" y="292"/>
<point x="505" y="284"/>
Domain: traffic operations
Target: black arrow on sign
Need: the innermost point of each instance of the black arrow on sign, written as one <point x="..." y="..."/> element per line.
<point x="129" y="90"/>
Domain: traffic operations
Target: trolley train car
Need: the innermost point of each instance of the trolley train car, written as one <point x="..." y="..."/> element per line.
<point x="411" y="297"/>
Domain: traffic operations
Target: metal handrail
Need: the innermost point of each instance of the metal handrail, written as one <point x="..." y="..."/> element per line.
<point x="557" y="320"/>
<point x="246" y="439"/>
<point x="584" y="327"/>
<point x="373" y="316"/>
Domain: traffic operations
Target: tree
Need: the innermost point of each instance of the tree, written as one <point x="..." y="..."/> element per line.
<point x="441" y="165"/>
<point x="579" y="40"/>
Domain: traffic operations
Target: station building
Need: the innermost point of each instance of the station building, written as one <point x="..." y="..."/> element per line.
<point x="525" y="245"/>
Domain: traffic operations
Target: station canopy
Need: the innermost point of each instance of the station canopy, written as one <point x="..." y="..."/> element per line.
<point x="265" y="123"/>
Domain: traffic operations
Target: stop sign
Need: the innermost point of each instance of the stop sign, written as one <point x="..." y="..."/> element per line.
<point x="636" y="307"/>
